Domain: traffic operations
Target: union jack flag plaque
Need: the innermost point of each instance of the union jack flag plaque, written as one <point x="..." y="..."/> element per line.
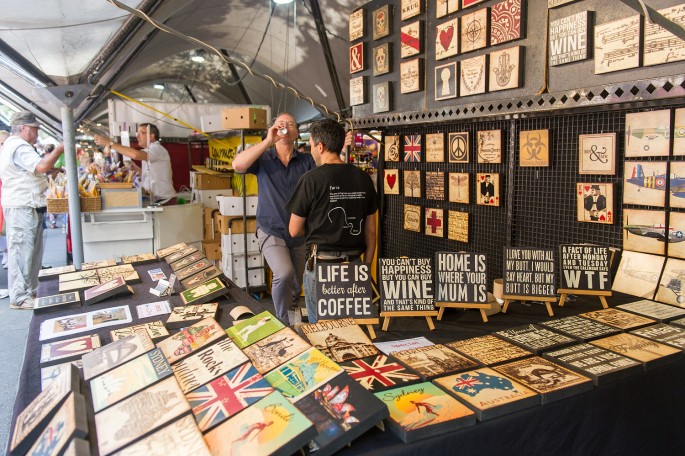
<point x="412" y="148"/>
<point x="227" y="395"/>
<point x="378" y="373"/>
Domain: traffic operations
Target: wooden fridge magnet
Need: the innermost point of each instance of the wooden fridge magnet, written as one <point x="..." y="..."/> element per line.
<point x="392" y="148"/>
<point x="505" y="69"/>
<point x="644" y="183"/>
<point x="357" y="58"/>
<point x="489" y="144"/>
<point x="617" y="45"/>
<point x="381" y="97"/>
<point x="391" y="182"/>
<point x="357" y="24"/>
<point x="597" y="154"/>
<point x="648" y="133"/>
<point x="435" y="185"/>
<point x="412" y="218"/>
<point x="382" y="22"/>
<point x="660" y="45"/>
<point x="458" y="147"/>
<point x="447" y="39"/>
<point x="410" y="8"/>
<point x="357" y="91"/>
<point x="568" y="39"/>
<point x="534" y="148"/>
<point x="411" y="39"/>
<point x="472" y="76"/>
<point x="679" y="133"/>
<point x="458" y="226"/>
<point x="474" y="30"/>
<point x="595" y="202"/>
<point x="411" y="76"/>
<point x="412" y="148"/>
<point x="445" y="7"/>
<point x="488" y="189"/>
<point x="459" y="188"/>
<point x="676" y="222"/>
<point x="645" y="231"/>
<point x="446" y="81"/>
<point x="435" y="147"/>
<point x="382" y="59"/>
<point x="412" y="184"/>
<point x="505" y="21"/>
<point x="434" y="222"/>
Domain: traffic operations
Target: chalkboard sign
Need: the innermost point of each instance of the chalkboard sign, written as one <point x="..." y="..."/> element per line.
<point x="344" y="290"/>
<point x="529" y="272"/>
<point x="460" y="277"/>
<point x="406" y="285"/>
<point x="585" y="267"/>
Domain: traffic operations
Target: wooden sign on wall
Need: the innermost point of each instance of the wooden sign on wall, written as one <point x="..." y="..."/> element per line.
<point x="458" y="226"/>
<point x="435" y="222"/>
<point x="534" y="148"/>
<point x="568" y="39"/>
<point x="505" y="21"/>
<point x="435" y="147"/>
<point x="617" y="45"/>
<point x="446" y="81"/>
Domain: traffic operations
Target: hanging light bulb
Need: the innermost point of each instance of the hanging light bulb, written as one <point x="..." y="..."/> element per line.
<point x="197" y="55"/>
<point x="158" y="86"/>
<point x="282" y="2"/>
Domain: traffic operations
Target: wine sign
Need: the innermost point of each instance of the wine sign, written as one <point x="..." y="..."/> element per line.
<point x="585" y="267"/>
<point x="529" y="272"/>
<point x="460" y="277"/>
<point x="568" y="39"/>
<point x="344" y="290"/>
<point x="406" y="285"/>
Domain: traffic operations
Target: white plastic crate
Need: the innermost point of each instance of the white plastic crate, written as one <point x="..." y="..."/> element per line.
<point x="209" y="198"/>
<point x="233" y="205"/>
<point x="234" y="262"/>
<point x="234" y="244"/>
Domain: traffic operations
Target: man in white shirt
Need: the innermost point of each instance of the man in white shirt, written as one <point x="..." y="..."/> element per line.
<point x="157" y="177"/>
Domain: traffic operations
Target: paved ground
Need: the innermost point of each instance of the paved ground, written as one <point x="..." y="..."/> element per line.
<point x="14" y="329"/>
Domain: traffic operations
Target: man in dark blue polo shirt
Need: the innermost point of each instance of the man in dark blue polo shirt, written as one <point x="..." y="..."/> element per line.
<point x="278" y="167"/>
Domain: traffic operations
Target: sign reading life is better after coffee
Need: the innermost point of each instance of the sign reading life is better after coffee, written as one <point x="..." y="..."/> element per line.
<point x="529" y="272"/>
<point x="585" y="267"/>
<point x="344" y="290"/>
<point x="406" y="285"/>
<point x="460" y="277"/>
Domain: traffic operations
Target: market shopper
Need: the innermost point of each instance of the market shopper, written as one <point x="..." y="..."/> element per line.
<point x="24" y="183"/>
<point x="157" y="177"/>
<point x="278" y="167"/>
<point x="335" y="205"/>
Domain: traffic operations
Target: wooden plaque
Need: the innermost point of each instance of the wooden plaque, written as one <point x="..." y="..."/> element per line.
<point x="435" y="225"/>
<point x="459" y="188"/>
<point x="68" y="349"/>
<point x="382" y="97"/>
<point x="191" y="339"/>
<point x="597" y="154"/>
<point x="181" y="316"/>
<point x="458" y="226"/>
<point x="638" y="274"/>
<point x="435" y="147"/>
<point x="181" y="436"/>
<point x="489" y="144"/>
<point x="98" y="264"/>
<point x="595" y="202"/>
<point x="411" y="76"/>
<point x="274" y="350"/>
<point x="400" y="275"/>
<point x="489" y="350"/>
<point x="644" y="183"/>
<point x="79" y="275"/>
<point x="618" y="319"/>
<point x="186" y="261"/>
<point x="412" y="148"/>
<point x="357" y="58"/>
<point x="505" y="21"/>
<point x="472" y="76"/>
<point x="392" y="148"/>
<point x="646" y="351"/>
<point x="357" y="24"/>
<point x="529" y="272"/>
<point x="663" y="333"/>
<point x="447" y="39"/>
<point x="201" y="277"/>
<point x="474" y="30"/>
<point x="161" y="253"/>
<point x="206" y="292"/>
<point x="435" y="185"/>
<point x="69" y="421"/>
<point x="669" y="290"/>
<point x="617" y="45"/>
<point x="141" y="258"/>
<point x="580" y="328"/>
<point x="77" y="285"/>
<point x="60" y="301"/>
<point x="180" y="253"/>
<point x="391" y="182"/>
<point x="115" y="354"/>
<point x="105" y="290"/>
<point x="488" y="189"/>
<point x="193" y="269"/>
<point x="676" y="185"/>
<point x="205" y="365"/>
<point x="446" y="77"/>
<point x="660" y="45"/>
<point x="535" y="338"/>
<point x="382" y="22"/>
<point x="445" y="7"/>
<point x="505" y="69"/>
<point x="410" y="8"/>
<point x="648" y="134"/>
<point x="411" y="36"/>
<point x="534" y="148"/>
<point x="45" y="274"/>
<point x="412" y="184"/>
<point x="340" y="340"/>
<point x="358" y="91"/>
<point x="412" y="218"/>
<point x="434" y="361"/>
<point x="154" y="329"/>
<point x="655" y="310"/>
<point x="601" y="365"/>
<point x="458" y="147"/>
<point x="382" y="59"/>
<point x="460" y="277"/>
<point x="381" y="372"/>
<point x="249" y="331"/>
<point x="643" y="232"/>
<point x="568" y="38"/>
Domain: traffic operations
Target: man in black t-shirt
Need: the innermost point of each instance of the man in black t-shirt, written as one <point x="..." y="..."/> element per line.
<point x="335" y="205"/>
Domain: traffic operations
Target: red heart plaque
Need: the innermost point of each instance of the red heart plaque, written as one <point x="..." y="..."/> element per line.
<point x="446" y="36"/>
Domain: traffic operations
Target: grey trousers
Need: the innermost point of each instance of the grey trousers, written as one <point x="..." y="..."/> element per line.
<point x="25" y="251"/>
<point x="287" y="265"/>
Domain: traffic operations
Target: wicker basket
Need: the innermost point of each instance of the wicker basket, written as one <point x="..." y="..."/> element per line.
<point x="58" y="205"/>
<point x="91" y="204"/>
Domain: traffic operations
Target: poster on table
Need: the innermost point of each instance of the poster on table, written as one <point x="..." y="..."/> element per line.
<point x="89" y="321"/>
<point x="461" y="277"/>
<point x="529" y="272"/>
<point x="406" y="285"/>
<point x="344" y="290"/>
<point x="585" y="267"/>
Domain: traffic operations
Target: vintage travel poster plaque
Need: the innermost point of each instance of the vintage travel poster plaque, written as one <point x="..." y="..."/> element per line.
<point x="435" y="222"/>
<point x="679" y="133"/>
<point x="669" y="290"/>
<point x="341" y="340"/>
<point x="488" y="189"/>
<point x="193" y="269"/>
<point x="89" y="321"/>
<point x="423" y="410"/>
<point x="656" y="310"/>
<point x="412" y="184"/>
<point x="274" y="350"/>
<point x="411" y="76"/>
<point x="162" y="253"/>
<point x="597" y="154"/>
<point x="181" y="253"/>
<point x="664" y="333"/>
<point x="534" y="148"/>
<point x="601" y="365"/>
<point x="489" y="146"/>
<point x="381" y="372"/>
<point x="617" y="45"/>
<point x="357" y="58"/>
<point x="391" y="182"/>
<point x="182" y="316"/>
<point x="115" y="354"/>
<point x="222" y="398"/>
<point x="474" y="30"/>
<point x="676" y="185"/>
<point x="201" y="277"/>
<point x="459" y="188"/>
<point x="535" y="338"/>
<point x="458" y="147"/>
<point x="51" y="373"/>
<point x="505" y="69"/>
<point x="661" y="46"/>
<point x="644" y="183"/>
<point x="190" y="339"/>
<point x="382" y="59"/>
<point x="132" y="418"/>
<point x="489" y="350"/>
<point x="303" y="374"/>
<point x="357" y="91"/>
<point x="446" y="81"/>
<point x="445" y="7"/>
<point x="154" y="329"/>
<point x="357" y="24"/>
<point x="568" y="39"/>
<point x="98" y="264"/>
<point x="392" y="148"/>
<point x="677" y="226"/>
<point x="249" y="331"/>
<point x="580" y="328"/>
<point x="435" y="185"/>
<point x="180" y="436"/>
<point x="505" y="22"/>
<point x="141" y="258"/>
<point x="648" y="134"/>
<point x="186" y="261"/>
<point x="619" y="319"/>
<point x="69" y="421"/>
<point x="205" y="365"/>
<point x="381" y="97"/>
<point x="435" y="147"/>
<point x="382" y="21"/>
<point x="129" y="378"/>
<point x="412" y="148"/>
<point x="341" y="410"/>
<point x="410" y="8"/>
<point x="205" y="292"/>
<point x="595" y="202"/>
<point x="411" y="37"/>
<point x="550" y="380"/>
<point x="489" y="393"/>
<point x="645" y="231"/>
<point x="585" y="267"/>
<point x="472" y="75"/>
<point x="412" y="218"/>
<point x="646" y="351"/>
<point x="271" y="425"/>
<point x="458" y="226"/>
<point x="447" y="39"/>
<point x="638" y="274"/>
<point x="434" y="361"/>
<point x="45" y="274"/>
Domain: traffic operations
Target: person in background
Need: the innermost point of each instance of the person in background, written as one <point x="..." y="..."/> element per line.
<point x="22" y="172"/>
<point x="157" y="177"/>
<point x="4" y="292"/>
<point x="335" y="205"/>
<point x="301" y="148"/>
<point x="278" y="167"/>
